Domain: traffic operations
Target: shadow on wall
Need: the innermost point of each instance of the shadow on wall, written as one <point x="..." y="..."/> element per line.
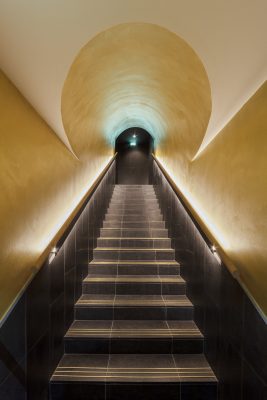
<point x="134" y="147"/>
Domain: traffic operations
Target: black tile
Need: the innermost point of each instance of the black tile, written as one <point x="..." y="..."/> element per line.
<point x="79" y="275"/>
<point x="196" y="391"/>
<point x="38" y="370"/>
<point x="70" y="251"/>
<point x="56" y="331"/>
<point x="254" y="340"/>
<point x="154" y="313"/>
<point x="230" y="373"/>
<point x="87" y="345"/>
<point x="212" y="342"/>
<point x="57" y="275"/>
<point x="69" y="295"/>
<point x="77" y="391"/>
<point x="140" y="346"/>
<point x="253" y="387"/>
<point x="14" y="386"/>
<point x="187" y="346"/>
<point x="232" y="310"/>
<point x="13" y="340"/>
<point x="37" y="307"/>
<point x="143" y="391"/>
<point x="94" y="313"/>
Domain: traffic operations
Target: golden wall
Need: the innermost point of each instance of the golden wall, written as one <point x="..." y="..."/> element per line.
<point x="227" y="186"/>
<point x="41" y="183"/>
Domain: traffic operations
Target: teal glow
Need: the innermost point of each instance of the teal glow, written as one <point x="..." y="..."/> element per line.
<point x="133" y="143"/>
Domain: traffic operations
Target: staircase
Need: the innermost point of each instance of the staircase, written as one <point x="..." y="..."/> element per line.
<point x="134" y="336"/>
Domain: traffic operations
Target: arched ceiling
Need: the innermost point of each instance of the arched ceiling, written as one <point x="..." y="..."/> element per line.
<point x="39" y="41"/>
<point x="141" y="75"/>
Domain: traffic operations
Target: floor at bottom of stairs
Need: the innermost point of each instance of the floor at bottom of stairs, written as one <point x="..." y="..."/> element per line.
<point x="133" y="376"/>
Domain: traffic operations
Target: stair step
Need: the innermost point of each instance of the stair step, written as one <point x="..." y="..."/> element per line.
<point x="134" y="267"/>
<point x="113" y="253"/>
<point x="133" y="376"/>
<point x="129" y="207"/>
<point x="134" y="284"/>
<point x="135" y="233"/>
<point x="133" y="204"/>
<point x="134" y="224"/>
<point x="156" y="307"/>
<point x="146" y="217"/>
<point x="130" y="337"/>
<point x="142" y="242"/>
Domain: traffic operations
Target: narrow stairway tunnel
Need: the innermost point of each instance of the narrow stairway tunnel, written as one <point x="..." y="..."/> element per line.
<point x="134" y="334"/>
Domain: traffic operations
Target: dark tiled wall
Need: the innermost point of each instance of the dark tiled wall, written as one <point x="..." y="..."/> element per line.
<point x="31" y="339"/>
<point x="235" y="334"/>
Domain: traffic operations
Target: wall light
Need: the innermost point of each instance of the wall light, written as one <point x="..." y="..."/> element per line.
<point x="52" y="254"/>
<point x="215" y="253"/>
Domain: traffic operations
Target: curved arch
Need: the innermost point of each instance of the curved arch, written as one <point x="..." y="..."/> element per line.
<point x="136" y="74"/>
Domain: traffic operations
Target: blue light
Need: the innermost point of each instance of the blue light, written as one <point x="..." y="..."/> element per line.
<point x="133" y="143"/>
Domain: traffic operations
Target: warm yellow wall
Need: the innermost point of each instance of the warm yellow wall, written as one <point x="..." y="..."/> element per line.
<point x="227" y="186"/>
<point x="41" y="183"/>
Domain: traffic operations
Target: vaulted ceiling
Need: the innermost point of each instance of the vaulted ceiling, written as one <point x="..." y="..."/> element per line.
<point x="39" y="41"/>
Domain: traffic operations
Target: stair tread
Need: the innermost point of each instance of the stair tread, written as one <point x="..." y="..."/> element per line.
<point x="133" y="329"/>
<point x="135" y="262"/>
<point x="134" y="368"/>
<point x="134" y="249"/>
<point x="134" y="278"/>
<point x="133" y="300"/>
<point x="132" y="238"/>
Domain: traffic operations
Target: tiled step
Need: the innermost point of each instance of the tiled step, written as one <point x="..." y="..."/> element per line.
<point x="134" y="192"/>
<point x="135" y="233"/>
<point x="134" y="284"/>
<point x="132" y="200"/>
<point x="134" y="376"/>
<point x="133" y="337"/>
<point x="130" y="204"/>
<point x="134" y="217"/>
<point x="142" y="202"/>
<point x="106" y="253"/>
<point x="156" y="307"/>
<point x="134" y="224"/>
<point x="144" y="211"/>
<point x="134" y="267"/>
<point x="134" y="242"/>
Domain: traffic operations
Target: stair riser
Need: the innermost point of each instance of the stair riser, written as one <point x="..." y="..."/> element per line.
<point x="134" y="313"/>
<point x="133" y="391"/>
<point x="134" y="288"/>
<point x="133" y="218"/>
<point x="146" y="233"/>
<point x="133" y="270"/>
<point x="138" y="345"/>
<point x="133" y="255"/>
<point x="136" y="243"/>
<point x="134" y="224"/>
